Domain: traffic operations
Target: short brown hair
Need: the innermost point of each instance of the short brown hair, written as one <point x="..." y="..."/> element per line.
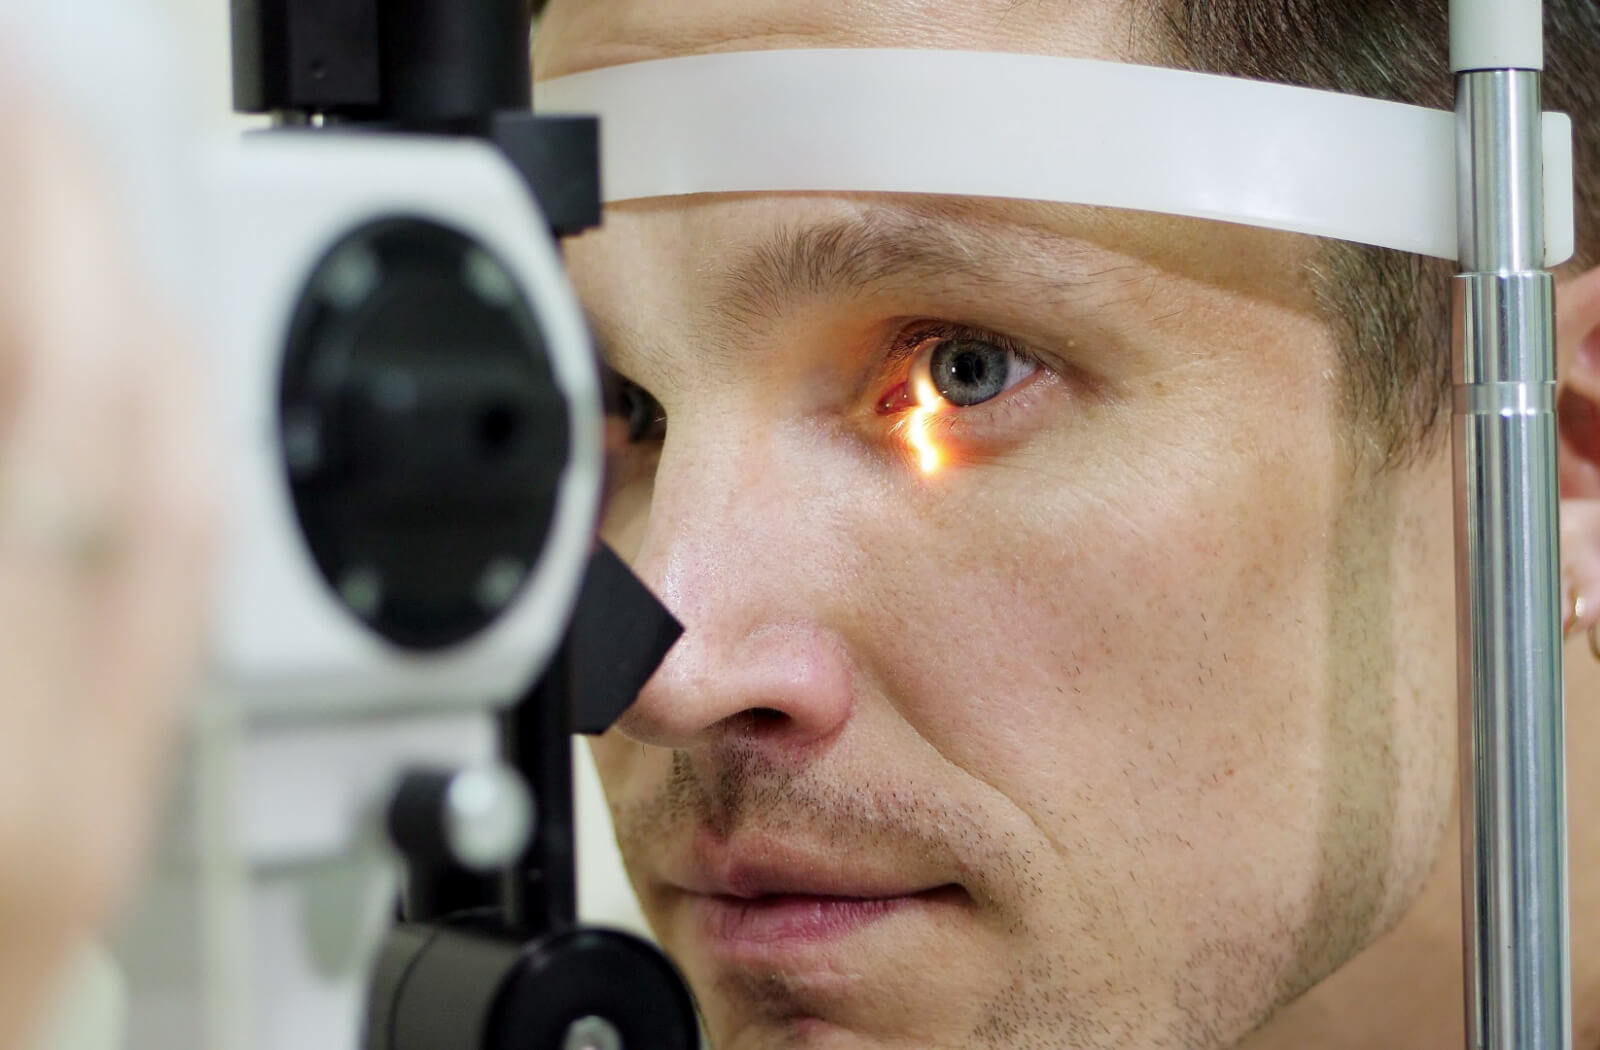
<point x="1392" y="307"/>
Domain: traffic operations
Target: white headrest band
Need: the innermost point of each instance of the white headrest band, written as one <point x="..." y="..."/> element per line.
<point x="1036" y="127"/>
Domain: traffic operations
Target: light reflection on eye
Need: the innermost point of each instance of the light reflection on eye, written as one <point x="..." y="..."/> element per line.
<point x="919" y="434"/>
<point x="953" y="370"/>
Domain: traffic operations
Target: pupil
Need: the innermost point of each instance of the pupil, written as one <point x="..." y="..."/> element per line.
<point x="968" y="371"/>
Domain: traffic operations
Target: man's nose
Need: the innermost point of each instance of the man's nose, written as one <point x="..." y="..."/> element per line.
<point x="735" y="549"/>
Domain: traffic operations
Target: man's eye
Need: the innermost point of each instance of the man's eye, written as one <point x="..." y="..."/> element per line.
<point x="957" y="369"/>
<point x="967" y="371"/>
<point x="636" y="408"/>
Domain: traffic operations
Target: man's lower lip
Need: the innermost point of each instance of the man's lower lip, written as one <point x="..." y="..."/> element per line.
<point x="736" y="925"/>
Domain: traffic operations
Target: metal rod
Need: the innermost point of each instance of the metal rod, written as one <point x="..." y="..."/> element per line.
<point x="1513" y="786"/>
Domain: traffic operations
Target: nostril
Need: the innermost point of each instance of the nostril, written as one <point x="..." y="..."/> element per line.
<point x="756" y="719"/>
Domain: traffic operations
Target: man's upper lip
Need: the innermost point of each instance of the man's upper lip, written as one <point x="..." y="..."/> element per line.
<point x="750" y="867"/>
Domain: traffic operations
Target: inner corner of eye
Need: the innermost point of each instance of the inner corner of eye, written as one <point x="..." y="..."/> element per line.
<point x="902" y="397"/>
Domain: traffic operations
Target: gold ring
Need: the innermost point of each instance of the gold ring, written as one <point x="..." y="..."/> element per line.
<point x="1575" y="616"/>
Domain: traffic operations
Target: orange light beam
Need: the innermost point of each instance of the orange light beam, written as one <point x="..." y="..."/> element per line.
<point x="919" y="431"/>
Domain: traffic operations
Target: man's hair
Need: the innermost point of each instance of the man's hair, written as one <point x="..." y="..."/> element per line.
<point x="1391" y="309"/>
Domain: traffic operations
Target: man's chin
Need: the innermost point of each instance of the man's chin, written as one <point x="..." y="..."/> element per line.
<point x="790" y="970"/>
<point x="747" y="1032"/>
<point x="737" y="1025"/>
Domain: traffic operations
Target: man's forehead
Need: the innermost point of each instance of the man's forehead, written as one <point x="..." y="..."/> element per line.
<point x="576" y="35"/>
<point x="717" y="261"/>
<point x="747" y="226"/>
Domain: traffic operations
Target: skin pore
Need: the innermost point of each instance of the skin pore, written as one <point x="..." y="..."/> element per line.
<point x="1143" y="702"/>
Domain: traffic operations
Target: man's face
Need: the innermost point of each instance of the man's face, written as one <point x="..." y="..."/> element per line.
<point x="1128" y="721"/>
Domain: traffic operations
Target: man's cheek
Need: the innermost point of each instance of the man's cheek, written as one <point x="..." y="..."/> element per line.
<point x="1121" y="650"/>
<point x="1082" y="604"/>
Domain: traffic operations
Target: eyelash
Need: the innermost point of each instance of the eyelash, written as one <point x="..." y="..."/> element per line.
<point x="914" y="337"/>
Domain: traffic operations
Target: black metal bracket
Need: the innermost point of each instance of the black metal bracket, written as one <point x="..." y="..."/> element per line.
<point x="429" y="66"/>
<point x="480" y="964"/>
<point x="299" y="56"/>
<point x="559" y="158"/>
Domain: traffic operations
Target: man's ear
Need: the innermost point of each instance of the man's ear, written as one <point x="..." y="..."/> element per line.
<point x="1578" y="407"/>
<point x="1578" y="391"/>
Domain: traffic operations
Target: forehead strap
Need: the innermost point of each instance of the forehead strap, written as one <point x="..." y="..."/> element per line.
<point x="1036" y="127"/>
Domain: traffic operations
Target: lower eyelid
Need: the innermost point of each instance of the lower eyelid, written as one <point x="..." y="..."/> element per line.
<point x="1004" y="417"/>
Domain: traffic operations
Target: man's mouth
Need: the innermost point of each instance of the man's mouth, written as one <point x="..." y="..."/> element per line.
<point x="756" y="901"/>
<point x="742" y="926"/>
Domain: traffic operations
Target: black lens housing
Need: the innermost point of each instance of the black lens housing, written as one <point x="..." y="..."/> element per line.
<point x="422" y="430"/>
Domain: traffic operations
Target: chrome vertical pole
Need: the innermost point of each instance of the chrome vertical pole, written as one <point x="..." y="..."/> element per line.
<point x="1513" y="793"/>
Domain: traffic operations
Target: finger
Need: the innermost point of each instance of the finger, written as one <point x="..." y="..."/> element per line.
<point x="16" y="134"/>
<point x="158" y="603"/>
<point x="73" y="388"/>
<point x="73" y="775"/>
<point x="59" y="463"/>
<point x="155" y="613"/>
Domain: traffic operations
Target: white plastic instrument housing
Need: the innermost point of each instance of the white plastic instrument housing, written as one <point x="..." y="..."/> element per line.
<point x="283" y="643"/>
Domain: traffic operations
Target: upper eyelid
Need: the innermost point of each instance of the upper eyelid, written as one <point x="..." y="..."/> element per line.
<point x="917" y="335"/>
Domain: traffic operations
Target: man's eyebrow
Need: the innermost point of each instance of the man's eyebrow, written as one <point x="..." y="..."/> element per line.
<point x="933" y="244"/>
